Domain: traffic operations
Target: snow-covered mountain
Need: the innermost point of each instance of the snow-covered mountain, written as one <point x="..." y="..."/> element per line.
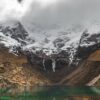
<point x="13" y="35"/>
<point x="67" y="44"/>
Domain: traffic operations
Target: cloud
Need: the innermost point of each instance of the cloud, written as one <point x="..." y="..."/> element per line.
<point x="48" y="13"/>
<point x="12" y="9"/>
<point x="8" y="9"/>
<point x="61" y="12"/>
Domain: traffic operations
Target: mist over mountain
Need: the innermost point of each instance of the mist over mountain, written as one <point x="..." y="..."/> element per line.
<point x="51" y="28"/>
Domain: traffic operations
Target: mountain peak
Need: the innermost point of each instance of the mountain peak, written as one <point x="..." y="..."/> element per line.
<point x="13" y="35"/>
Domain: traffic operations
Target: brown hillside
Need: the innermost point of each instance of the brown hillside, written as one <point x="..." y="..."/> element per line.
<point x="16" y="70"/>
<point x="84" y="73"/>
<point x="95" y="56"/>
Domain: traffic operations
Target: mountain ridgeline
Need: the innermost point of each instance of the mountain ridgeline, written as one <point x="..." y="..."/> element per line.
<point x="60" y="61"/>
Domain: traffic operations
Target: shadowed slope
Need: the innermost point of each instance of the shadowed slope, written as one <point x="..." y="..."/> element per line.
<point x="84" y="73"/>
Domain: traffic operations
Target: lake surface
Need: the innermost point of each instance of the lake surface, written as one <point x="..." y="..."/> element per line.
<point x="48" y="93"/>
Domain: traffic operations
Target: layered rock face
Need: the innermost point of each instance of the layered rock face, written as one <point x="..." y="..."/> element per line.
<point x="16" y="71"/>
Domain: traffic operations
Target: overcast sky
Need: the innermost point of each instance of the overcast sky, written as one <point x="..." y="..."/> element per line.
<point x="46" y="13"/>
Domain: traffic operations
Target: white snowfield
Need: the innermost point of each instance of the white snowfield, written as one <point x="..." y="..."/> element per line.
<point x="8" y="41"/>
<point x="69" y="38"/>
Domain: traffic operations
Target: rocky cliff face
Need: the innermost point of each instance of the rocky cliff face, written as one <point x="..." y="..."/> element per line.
<point x="13" y="36"/>
<point x="88" y="44"/>
<point x="16" y="71"/>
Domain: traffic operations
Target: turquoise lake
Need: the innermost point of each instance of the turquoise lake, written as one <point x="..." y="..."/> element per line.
<point x="48" y="93"/>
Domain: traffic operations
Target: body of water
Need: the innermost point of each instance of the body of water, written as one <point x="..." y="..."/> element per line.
<point x="48" y="93"/>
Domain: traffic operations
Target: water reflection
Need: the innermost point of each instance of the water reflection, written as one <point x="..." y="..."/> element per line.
<point x="47" y="93"/>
